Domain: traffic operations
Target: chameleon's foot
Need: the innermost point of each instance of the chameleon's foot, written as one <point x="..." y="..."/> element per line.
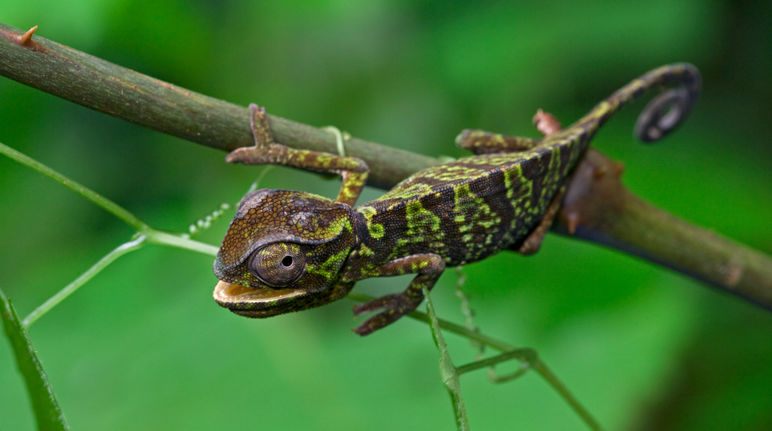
<point x="546" y="123"/>
<point x="429" y="267"/>
<point x="481" y="142"/>
<point x="265" y="151"/>
<point x="395" y="306"/>
<point x="270" y="154"/>
<point x="258" y="121"/>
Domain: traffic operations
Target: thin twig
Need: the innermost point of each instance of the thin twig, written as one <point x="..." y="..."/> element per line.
<point x="525" y="355"/>
<point x="48" y="413"/>
<point x="95" y="269"/>
<point x="82" y="190"/>
<point x="448" y="371"/>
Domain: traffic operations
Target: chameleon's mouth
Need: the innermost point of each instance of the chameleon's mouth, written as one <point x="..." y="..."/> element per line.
<point x="250" y="302"/>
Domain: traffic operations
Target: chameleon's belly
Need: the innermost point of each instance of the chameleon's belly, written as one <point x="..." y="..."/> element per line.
<point x="468" y="209"/>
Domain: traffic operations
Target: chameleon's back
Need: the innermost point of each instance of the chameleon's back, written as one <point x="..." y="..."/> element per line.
<point x="470" y="208"/>
<point x="477" y="206"/>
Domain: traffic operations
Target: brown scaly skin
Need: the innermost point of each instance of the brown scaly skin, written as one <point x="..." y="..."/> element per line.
<point x="288" y="251"/>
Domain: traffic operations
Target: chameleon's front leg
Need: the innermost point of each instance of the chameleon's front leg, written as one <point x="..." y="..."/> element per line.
<point x="267" y="152"/>
<point x="429" y="267"/>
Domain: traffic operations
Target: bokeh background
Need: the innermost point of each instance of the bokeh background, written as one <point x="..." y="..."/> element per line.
<point x="143" y="346"/>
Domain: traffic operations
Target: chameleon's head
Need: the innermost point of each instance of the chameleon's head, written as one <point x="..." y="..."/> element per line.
<point x="283" y="252"/>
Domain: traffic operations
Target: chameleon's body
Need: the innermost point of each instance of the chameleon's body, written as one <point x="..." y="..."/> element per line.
<point x="471" y="208"/>
<point x="287" y="251"/>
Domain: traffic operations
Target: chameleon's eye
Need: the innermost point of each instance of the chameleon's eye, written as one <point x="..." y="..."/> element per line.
<point x="278" y="264"/>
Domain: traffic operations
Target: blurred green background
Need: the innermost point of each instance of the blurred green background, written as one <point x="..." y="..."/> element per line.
<point x="143" y="346"/>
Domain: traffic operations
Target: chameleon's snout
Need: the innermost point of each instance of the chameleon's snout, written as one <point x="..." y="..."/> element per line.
<point x="251" y="302"/>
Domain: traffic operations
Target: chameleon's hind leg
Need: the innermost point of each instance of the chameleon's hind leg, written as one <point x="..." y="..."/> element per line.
<point x="481" y="142"/>
<point x="532" y="242"/>
<point x="429" y="267"/>
<point x="547" y="124"/>
<point x="267" y="152"/>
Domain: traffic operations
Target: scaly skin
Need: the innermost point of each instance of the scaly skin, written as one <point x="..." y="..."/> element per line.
<point x="288" y="251"/>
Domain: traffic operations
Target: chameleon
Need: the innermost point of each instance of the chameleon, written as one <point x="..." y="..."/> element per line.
<point x="286" y="251"/>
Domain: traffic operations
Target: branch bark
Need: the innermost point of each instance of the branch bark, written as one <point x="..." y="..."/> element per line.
<point x="597" y="207"/>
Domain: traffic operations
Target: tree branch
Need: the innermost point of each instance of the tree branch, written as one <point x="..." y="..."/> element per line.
<point x="597" y="207"/>
<point x="132" y="96"/>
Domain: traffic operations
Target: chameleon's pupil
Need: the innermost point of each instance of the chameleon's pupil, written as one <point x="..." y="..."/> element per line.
<point x="287" y="261"/>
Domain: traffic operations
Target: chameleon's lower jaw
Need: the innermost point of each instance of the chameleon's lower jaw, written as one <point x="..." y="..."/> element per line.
<point x="249" y="302"/>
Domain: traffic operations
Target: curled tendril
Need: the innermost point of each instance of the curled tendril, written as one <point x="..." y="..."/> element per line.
<point x="667" y="111"/>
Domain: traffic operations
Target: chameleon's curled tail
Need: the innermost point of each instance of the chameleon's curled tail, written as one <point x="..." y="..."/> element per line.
<point x="664" y="113"/>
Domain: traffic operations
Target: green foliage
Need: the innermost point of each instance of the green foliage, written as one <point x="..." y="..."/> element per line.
<point x="48" y="414"/>
<point x="143" y="344"/>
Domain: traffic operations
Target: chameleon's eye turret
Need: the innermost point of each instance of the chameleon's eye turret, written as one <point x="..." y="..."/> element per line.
<point x="278" y="265"/>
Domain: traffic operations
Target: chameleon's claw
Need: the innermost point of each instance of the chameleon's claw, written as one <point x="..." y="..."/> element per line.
<point x="395" y="305"/>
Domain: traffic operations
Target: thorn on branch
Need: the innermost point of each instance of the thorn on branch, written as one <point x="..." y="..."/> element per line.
<point x="571" y="219"/>
<point x="26" y="38"/>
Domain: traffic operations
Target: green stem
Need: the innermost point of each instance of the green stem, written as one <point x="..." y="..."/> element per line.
<point x="557" y="385"/>
<point x="82" y="279"/>
<point x="179" y="241"/>
<point x="146" y="233"/>
<point x="152" y="235"/>
<point x="525" y="355"/>
<point x="493" y="360"/>
<point x="48" y="414"/>
<point x="448" y="371"/>
<point x="89" y="194"/>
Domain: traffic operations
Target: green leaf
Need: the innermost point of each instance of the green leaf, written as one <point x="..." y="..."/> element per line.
<point x="48" y="414"/>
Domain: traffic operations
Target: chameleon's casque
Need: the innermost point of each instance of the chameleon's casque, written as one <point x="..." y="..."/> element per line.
<point x="287" y="250"/>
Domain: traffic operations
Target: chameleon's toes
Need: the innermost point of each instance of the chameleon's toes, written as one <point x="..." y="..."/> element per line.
<point x="395" y="306"/>
<point x="375" y="304"/>
<point x="237" y="155"/>
<point x="377" y="322"/>
<point x="258" y="112"/>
